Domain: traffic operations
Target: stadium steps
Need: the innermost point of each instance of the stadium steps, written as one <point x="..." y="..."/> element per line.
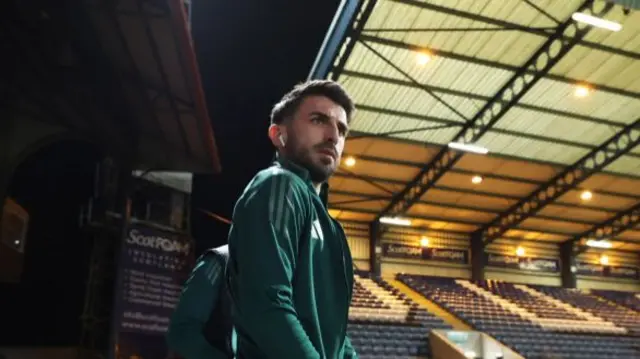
<point x="430" y="306"/>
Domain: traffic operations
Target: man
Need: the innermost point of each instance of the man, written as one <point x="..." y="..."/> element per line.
<point x="201" y="326"/>
<point x="290" y="269"/>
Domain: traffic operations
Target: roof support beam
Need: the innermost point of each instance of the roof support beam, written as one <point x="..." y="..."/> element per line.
<point x="610" y="228"/>
<point x="523" y="80"/>
<point x="345" y="29"/>
<point x="621" y="143"/>
<point x="342" y="21"/>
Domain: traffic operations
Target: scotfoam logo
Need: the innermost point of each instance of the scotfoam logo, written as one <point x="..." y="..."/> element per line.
<point x="156" y="242"/>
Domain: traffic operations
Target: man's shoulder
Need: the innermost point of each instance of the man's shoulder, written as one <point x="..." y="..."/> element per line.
<point x="275" y="179"/>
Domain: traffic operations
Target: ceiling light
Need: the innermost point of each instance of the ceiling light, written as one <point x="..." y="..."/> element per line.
<point x="468" y="148"/>
<point x="350" y="161"/>
<point x="604" y="259"/>
<point x="424" y="241"/>
<point x="476" y="179"/>
<point x="395" y="220"/>
<point x="520" y="252"/>
<point x="596" y="21"/>
<point x="586" y="195"/>
<point x="582" y="91"/>
<point x="423" y="58"/>
<point x="599" y="244"/>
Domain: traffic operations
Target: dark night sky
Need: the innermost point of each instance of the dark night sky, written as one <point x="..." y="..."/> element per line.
<point x="250" y="53"/>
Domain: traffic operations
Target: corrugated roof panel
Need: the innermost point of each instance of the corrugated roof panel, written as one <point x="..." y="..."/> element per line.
<point x="443" y="225"/>
<point x="420" y="209"/>
<point x="532" y="149"/>
<point x="479" y="201"/>
<point x="441" y="72"/>
<point x="554" y="226"/>
<point x="592" y="66"/>
<point x="385" y="170"/>
<point x="362" y="60"/>
<point x="560" y="96"/>
<point x="353" y="201"/>
<point x="601" y="200"/>
<point x="611" y="183"/>
<point x="534" y="235"/>
<point x="350" y="215"/>
<point x="583" y="214"/>
<point x="379" y="123"/>
<point x="389" y="149"/>
<point x="552" y="126"/>
<point x="355" y="185"/>
<point x="409" y="99"/>
<point x="631" y="235"/>
<point x="512" y="168"/>
<point x="625" y="165"/>
<point x="509" y="46"/>
<point x="456" y="180"/>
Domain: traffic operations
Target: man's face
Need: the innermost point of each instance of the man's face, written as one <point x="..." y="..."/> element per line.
<point x="316" y="135"/>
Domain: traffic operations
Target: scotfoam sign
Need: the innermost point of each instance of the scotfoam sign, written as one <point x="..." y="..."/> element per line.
<point x="395" y="250"/>
<point x="598" y="270"/>
<point x="401" y="251"/>
<point x="153" y="241"/>
<point x="523" y="263"/>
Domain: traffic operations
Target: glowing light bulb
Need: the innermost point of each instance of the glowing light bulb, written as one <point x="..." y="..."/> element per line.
<point x="350" y="161"/>
<point x="586" y="195"/>
<point x="424" y="241"/>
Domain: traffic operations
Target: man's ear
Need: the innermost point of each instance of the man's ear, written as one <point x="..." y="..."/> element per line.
<point x="278" y="136"/>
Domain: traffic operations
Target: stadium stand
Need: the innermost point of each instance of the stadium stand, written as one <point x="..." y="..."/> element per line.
<point x="385" y="323"/>
<point x="617" y="314"/>
<point x="514" y="327"/>
<point x="626" y="299"/>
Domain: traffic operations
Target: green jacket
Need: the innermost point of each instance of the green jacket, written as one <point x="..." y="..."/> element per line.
<point x="187" y="330"/>
<point x="290" y="270"/>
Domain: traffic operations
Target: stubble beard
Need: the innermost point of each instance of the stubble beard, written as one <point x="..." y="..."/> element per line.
<point x="318" y="172"/>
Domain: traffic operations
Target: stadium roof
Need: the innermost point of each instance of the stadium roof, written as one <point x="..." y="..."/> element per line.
<point x="149" y="43"/>
<point x="556" y="102"/>
<point x="122" y="73"/>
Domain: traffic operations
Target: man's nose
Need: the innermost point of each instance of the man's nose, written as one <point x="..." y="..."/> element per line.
<point x="332" y="134"/>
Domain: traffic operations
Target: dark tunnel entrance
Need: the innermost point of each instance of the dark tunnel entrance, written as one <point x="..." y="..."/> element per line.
<point x="44" y="307"/>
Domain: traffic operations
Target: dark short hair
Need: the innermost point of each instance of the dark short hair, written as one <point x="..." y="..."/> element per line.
<point x="290" y="102"/>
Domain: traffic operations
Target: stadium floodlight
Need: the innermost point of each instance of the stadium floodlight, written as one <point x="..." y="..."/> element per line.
<point x="599" y="244"/>
<point x="596" y="21"/>
<point x="468" y="148"/>
<point x="395" y="220"/>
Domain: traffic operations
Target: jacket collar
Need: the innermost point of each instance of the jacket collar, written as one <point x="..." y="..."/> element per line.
<point x="303" y="173"/>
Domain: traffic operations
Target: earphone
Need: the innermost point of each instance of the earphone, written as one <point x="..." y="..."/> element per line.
<point x="282" y="141"/>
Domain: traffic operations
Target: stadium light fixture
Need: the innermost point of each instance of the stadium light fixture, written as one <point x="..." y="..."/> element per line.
<point x="350" y="161"/>
<point x="424" y="242"/>
<point x="423" y="58"/>
<point x="476" y="179"/>
<point x="582" y="91"/>
<point x="599" y="244"/>
<point x="604" y="259"/>
<point x="520" y="251"/>
<point x="596" y="21"/>
<point x="586" y="195"/>
<point x="395" y="220"/>
<point x="468" y="148"/>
